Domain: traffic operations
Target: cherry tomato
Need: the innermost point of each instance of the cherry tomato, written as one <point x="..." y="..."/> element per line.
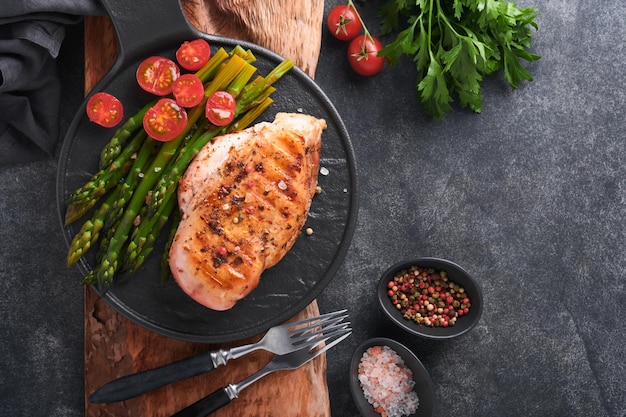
<point x="156" y="75"/>
<point x="192" y="55"/>
<point x="343" y="22"/>
<point x="105" y="109"/>
<point x="220" y="108"/>
<point x="188" y="90"/>
<point x="362" y="55"/>
<point x="165" y="120"/>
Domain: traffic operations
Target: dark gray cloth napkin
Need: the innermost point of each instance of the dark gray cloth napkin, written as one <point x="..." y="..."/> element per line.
<point x="31" y="34"/>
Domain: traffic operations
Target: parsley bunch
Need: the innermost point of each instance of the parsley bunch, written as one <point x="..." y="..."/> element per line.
<point x="456" y="43"/>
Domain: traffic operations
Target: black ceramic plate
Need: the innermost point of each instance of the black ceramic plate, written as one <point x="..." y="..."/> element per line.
<point x="286" y="288"/>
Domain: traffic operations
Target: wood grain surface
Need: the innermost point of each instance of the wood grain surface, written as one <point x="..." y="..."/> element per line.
<point x="114" y="346"/>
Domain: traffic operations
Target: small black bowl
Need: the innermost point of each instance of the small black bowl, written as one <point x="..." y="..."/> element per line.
<point x="423" y="383"/>
<point x="455" y="274"/>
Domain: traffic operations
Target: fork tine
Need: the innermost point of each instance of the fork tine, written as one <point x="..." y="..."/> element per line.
<point x="327" y="320"/>
<point x="329" y="345"/>
<point x="314" y="335"/>
<point x="316" y="319"/>
<point x="327" y="336"/>
<point x="314" y="326"/>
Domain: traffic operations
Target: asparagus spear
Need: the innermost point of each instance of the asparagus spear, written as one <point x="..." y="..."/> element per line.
<point x="89" y="231"/>
<point x="138" y="235"/>
<point x="115" y="145"/>
<point x="104" y="180"/>
<point x="147" y="233"/>
<point x="126" y="189"/>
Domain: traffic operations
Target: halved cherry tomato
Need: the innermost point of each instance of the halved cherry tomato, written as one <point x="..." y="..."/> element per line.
<point x="165" y="120"/>
<point x="156" y="75"/>
<point x="105" y="109"/>
<point x="343" y="22"/>
<point x="188" y="90"/>
<point x="220" y="108"/>
<point x="192" y="55"/>
<point x="363" y="55"/>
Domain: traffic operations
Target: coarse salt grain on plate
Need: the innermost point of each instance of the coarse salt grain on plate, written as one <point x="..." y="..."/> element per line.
<point x="387" y="382"/>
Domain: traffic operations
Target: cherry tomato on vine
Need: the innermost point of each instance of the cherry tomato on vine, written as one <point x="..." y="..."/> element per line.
<point x="220" y="108"/>
<point x="192" y="55"/>
<point x="165" y="120"/>
<point x="362" y="55"/>
<point x="105" y="109"/>
<point x="188" y="90"/>
<point x="156" y="75"/>
<point x="343" y="22"/>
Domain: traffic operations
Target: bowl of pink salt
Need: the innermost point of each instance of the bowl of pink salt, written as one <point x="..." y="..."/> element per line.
<point x="387" y="379"/>
<point x="430" y="297"/>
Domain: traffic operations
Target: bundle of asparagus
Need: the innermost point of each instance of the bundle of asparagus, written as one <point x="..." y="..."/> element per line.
<point x="136" y="186"/>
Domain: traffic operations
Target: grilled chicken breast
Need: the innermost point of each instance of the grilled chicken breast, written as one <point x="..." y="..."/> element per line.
<point x="244" y="200"/>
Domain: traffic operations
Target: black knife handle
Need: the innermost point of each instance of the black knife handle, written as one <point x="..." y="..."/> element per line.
<point x="207" y="405"/>
<point x="132" y="385"/>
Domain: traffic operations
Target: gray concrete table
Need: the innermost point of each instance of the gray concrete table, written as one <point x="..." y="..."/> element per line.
<point x="529" y="196"/>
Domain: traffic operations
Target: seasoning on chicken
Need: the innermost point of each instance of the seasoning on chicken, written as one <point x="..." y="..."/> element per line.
<point x="244" y="200"/>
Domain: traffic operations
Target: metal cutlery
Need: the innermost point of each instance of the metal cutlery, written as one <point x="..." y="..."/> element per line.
<point x="280" y="340"/>
<point x="224" y="395"/>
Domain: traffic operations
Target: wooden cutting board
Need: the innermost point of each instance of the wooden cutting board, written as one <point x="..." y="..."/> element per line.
<point x="114" y="346"/>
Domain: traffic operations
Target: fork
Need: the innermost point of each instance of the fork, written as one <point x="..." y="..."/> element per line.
<point x="280" y="340"/>
<point x="293" y="360"/>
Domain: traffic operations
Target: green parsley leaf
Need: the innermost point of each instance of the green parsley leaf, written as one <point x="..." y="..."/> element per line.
<point x="454" y="45"/>
<point x="434" y="90"/>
